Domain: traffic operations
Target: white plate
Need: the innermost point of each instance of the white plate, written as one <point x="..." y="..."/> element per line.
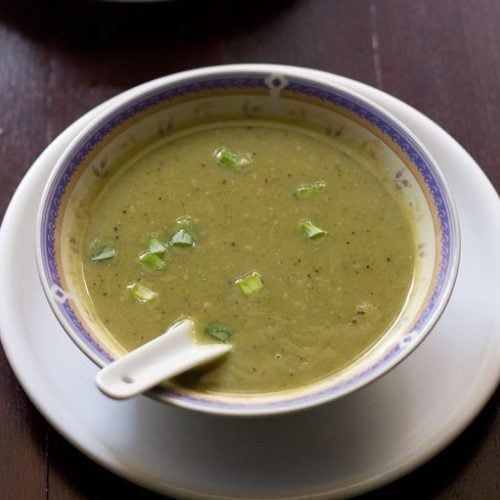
<point x="340" y="449"/>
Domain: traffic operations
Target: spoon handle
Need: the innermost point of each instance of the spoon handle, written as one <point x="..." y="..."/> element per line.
<point x="164" y="357"/>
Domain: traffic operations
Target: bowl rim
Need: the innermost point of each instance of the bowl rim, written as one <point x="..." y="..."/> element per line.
<point x="266" y="405"/>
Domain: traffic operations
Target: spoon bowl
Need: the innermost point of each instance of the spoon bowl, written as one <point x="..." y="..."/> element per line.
<point x="164" y="357"/>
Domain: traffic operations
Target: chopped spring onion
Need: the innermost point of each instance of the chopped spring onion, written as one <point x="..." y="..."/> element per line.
<point x="306" y="190"/>
<point x="250" y="283"/>
<point x="217" y="331"/>
<point x="183" y="237"/>
<point x="152" y="262"/>
<point x="231" y="159"/>
<point x="155" y="246"/>
<point x="102" y="252"/>
<point x="141" y="293"/>
<point x="310" y="230"/>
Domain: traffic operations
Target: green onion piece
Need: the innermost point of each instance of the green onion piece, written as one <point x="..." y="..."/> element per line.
<point x="217" y="331"/>
<point x="306" y="190"/>
<point x="152" y="262"/>
<point x="310" y="230"/>
<point x="251" y="283"/>
<point x="183" y="238"/>
<point x="155" y="246"/>
<point x="231" y="159"/>
<point x="102" y="252"/>
<point x="141" y="293"/>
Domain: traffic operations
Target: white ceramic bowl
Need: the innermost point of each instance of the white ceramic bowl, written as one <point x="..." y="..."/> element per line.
<point x="257" y="90"/>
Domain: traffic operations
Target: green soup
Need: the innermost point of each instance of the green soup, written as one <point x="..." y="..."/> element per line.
<point x="329" y="243"/>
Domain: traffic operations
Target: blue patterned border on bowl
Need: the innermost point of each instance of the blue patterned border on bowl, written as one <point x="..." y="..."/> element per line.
<point x="243" y="82"/>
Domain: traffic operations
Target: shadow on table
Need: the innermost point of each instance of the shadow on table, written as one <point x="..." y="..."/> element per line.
<point x="94" y="22"/>
<point x="126" y="43"/>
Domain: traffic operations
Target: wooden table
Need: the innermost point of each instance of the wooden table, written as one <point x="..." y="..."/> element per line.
<point x="58" y="59"/>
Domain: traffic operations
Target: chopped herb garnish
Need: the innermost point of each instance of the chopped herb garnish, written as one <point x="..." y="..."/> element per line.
<point x="141" y="293"/>
<point x="218" y="332"/>
<point x="155" y="246"/>
<point x="152" y="262"/>
<point x="183" y="238"/>
<point x="102" y="252"/>
<point x="306" y="190"/>
<point x="231" y="159"/>
<point x="250" y="283"/>
<point x="310" y="230"/>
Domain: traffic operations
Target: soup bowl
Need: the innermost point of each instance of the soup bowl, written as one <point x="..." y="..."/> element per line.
<point x="167" y="106"/>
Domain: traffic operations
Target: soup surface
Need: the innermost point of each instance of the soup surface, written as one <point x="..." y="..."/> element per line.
<point x="273" y="238"/>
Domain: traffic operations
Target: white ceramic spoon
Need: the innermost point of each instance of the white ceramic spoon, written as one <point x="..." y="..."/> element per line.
<point x="166" y="356"/>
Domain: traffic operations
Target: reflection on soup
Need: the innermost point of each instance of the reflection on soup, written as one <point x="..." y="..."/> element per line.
<point x="276" y="239"/>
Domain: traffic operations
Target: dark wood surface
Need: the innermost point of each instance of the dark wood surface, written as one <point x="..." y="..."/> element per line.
<point x="58" y="59"/>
